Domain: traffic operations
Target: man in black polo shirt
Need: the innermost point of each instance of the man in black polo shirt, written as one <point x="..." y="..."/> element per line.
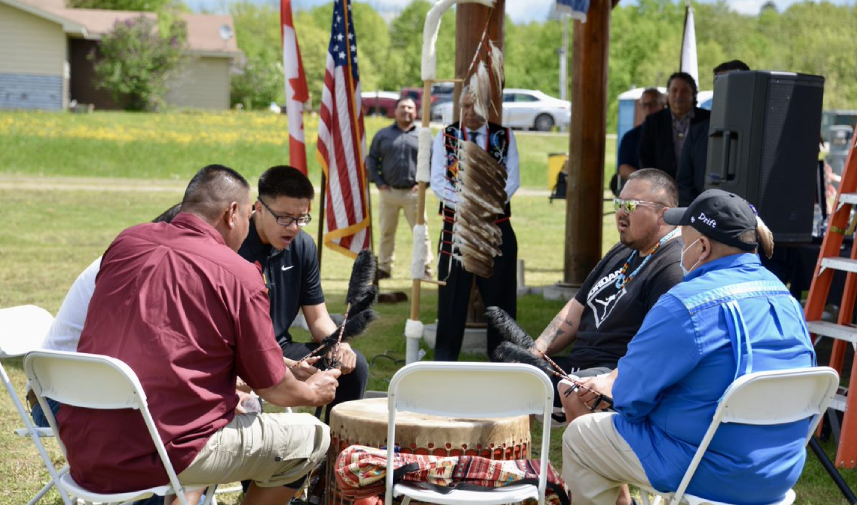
<point x="392" y="165"/>
<point x="610" y="306"/>
<point x="289" y="261"/>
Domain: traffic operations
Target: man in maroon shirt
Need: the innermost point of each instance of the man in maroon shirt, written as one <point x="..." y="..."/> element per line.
<point x="177" y="304"/>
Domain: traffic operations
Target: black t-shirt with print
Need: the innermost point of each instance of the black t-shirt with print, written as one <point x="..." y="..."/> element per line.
<point x="612" y="317"/>
<point x="291" y="275"/>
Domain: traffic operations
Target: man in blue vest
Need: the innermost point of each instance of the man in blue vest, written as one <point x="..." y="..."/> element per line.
<point x="500" y="289"/>
<point x="729" y="317"/>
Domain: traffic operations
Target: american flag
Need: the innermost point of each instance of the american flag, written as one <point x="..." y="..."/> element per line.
<point x="342" y="141"/>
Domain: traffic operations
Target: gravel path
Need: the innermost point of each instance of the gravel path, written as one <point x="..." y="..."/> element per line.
<point x="33" y="183"/>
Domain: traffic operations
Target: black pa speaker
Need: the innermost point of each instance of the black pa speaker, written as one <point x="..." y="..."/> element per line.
<point x="763" y="145"/>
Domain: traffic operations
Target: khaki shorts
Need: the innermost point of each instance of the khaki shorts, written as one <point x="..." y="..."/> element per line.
<point x="270" y="449"/>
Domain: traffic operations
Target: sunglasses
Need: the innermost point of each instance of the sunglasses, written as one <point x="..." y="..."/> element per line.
<point x="629" y="206"/>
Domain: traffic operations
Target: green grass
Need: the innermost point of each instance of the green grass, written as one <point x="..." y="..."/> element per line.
<point x="51" y="234"/>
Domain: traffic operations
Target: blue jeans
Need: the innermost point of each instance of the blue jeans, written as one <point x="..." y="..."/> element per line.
<point x="39" y="416"/>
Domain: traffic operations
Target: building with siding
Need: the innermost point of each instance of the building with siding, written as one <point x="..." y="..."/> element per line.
<point x="44" y="62"/>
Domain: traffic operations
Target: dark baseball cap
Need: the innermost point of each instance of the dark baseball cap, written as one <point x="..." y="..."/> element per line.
<point x="717" y="214"/>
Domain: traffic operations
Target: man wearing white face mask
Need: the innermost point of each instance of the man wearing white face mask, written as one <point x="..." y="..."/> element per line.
<point x="729" y="317"/>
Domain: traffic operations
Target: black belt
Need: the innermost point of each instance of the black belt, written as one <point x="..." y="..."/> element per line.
<point x="404" y="187"/>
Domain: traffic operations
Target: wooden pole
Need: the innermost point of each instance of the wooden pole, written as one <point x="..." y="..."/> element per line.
<point x="421" y="204"/>
<point x="585" y="192"/>
<point x="470" y="22"/>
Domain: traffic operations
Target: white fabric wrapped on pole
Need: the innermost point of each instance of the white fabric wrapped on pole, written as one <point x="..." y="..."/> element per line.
<point x="424" y="155"/>
<point x="418" y="258"/>
<point x="413" y="332"/>
<point x="430" y="30"/>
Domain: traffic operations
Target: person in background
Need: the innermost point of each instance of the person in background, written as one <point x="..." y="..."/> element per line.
<point x="694" y="155"/>
<point x="650" y="102"/>
<point x="665" y="132"/>
<point x="392" y="166"/>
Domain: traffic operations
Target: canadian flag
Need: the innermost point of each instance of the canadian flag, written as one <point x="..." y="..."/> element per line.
<point x="297" y="92"/>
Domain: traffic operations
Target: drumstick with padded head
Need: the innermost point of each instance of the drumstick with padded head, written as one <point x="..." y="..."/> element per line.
<point x="359" y="300"/>
<point x="519" y="347"/>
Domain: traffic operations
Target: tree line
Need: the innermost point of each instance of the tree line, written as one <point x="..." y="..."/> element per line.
<point x="645" y="42"/>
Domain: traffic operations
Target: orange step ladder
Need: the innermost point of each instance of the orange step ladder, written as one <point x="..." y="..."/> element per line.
<point x="843" y="332"/>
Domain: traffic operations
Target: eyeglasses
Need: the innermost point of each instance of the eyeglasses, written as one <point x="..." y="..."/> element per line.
<point x="629" y="206"/>
<point x="287" y="220"/>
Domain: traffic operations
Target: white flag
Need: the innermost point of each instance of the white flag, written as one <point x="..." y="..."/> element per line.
<point x="688" y="46"/>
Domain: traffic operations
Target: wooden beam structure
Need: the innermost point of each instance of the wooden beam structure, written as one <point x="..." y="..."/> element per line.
<point x="587" y="139"/>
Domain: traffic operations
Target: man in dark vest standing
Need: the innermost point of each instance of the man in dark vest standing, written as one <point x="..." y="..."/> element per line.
<point x="500" y="289"/>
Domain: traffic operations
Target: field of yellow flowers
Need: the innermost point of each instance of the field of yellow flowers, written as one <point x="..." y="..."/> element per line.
<point x="148" y="146"/>
<point x="173" y="145"/>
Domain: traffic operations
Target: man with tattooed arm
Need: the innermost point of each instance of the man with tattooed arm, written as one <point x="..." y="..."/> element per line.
<point x="610" y="306"/>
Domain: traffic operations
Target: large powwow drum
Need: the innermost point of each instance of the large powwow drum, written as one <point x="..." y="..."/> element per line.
<point x="364" y="422"/>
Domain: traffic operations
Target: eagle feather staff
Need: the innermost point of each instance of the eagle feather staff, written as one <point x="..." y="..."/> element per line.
<point x="481" y="195"/>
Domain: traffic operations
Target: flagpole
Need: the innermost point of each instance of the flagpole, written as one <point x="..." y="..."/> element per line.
<point x="369" y="211"/>
<point x="320" y="241"/>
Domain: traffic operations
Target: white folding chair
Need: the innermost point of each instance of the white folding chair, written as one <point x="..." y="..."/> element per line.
<point x="22" y="329"/>
<point x="470" y="390"/>
<point x="762" y="398"/>
<point x="97" y="382"/>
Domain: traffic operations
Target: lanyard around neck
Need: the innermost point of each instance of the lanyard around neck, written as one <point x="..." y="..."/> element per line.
<point x="623" y="281"/>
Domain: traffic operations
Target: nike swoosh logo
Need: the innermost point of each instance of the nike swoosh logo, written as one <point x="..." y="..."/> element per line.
<point x="286" y="268"/>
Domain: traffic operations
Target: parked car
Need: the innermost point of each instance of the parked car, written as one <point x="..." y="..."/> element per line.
<point x="379" y="103"/>
<point x="440" y="92"/>
<point x="438" y="107"/>
<point x="524" y="108"/>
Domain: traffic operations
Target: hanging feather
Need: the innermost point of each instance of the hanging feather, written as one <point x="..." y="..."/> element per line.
<point x="480" y="89"/>
<point x="497" y="64"/>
